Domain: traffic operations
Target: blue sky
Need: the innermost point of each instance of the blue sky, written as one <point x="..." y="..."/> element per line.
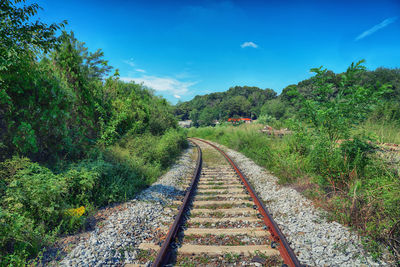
<point x="185" y="48"/>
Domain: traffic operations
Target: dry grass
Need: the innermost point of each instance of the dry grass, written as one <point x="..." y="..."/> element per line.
<point x="383" y="132"/>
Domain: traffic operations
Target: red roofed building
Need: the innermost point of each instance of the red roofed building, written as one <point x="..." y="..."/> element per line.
<point x="237" y="120"/>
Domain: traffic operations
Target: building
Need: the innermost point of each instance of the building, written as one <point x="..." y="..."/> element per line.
<point x="185" y="124"/>
<point x="239" y="120"/>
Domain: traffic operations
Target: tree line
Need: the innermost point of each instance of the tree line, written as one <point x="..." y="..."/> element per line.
<point x="245" y="101"/>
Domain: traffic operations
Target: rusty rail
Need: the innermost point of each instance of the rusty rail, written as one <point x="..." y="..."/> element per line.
<point x="276" y="235"/>
<point x="164" y="254"/>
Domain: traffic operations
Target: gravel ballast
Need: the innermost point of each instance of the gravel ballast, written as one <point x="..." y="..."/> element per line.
<point x="316" y="241"/>
<point x="116" y="240"/>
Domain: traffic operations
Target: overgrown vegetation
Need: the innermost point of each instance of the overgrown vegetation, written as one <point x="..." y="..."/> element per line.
<point x="71" y="138"/>
<point x="331" y="155"/>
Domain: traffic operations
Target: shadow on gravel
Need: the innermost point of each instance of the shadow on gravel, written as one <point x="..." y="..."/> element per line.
<point x="161" y="193"/>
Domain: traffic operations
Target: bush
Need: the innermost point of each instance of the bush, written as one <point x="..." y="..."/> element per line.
<point x="20" y="238"/>
<point x="148" y="154"/>
<point x="37" y="193"/>
<point x="169" y="147"/>
<point x="31" y="211"/>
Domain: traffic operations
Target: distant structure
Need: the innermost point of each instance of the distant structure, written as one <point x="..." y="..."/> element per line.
<point x="239" y="120"/>
<point x="185" y="124"/>
<point x="271" y="131"/>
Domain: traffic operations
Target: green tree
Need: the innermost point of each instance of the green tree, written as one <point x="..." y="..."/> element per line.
<point x="21" y="41"/>
<point x="207" y="116"/>
<point x="194" y="116"/>
<point x="19" y="35"/>
<point x="275" y="108"/>
<point x="334" y="113"/>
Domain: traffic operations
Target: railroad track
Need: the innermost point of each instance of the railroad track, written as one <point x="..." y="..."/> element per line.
<point x="221" y="221"/>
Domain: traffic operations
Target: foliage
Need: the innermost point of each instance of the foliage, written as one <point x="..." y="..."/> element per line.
<point x="334" y="112"/>
<point x="19" y="35"/>
<point x="21" y="40"/>
<point x="275" y="108"/>
<point x="245" y="101"/>
<point x="69" y="135"/>
<point x="241" y="101"/>
<point x="31" y="206"/>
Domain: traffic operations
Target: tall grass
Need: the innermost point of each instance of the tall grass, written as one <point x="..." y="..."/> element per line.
<point x="383" y="132"/>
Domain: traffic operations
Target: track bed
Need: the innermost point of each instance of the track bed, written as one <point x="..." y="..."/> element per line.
<point x="220" y="222"/>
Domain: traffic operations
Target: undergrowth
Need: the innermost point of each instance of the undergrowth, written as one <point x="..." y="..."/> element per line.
<point x="39" y="203"/>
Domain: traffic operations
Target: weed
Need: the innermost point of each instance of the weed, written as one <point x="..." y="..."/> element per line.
<point x="231" y="257"/>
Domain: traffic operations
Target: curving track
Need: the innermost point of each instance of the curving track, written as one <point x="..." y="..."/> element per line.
<point x="221" y="221"/>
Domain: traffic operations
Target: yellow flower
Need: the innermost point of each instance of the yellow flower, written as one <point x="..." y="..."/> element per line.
<point x="78" y="212"/>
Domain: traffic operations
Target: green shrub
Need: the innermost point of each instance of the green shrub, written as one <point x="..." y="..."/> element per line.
<point x="109" y="181"/>
<point x="20" y="238"/>
<point x="355" y="153"/>
<point x="169" y="147"/>
<point x="32" y="208"/>
<point x="36" y="193"/>
<point x="80" y="181"/>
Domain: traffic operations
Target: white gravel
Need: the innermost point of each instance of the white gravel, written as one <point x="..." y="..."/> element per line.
<point x="316" y="241"/>
<point x="116" y="241"/>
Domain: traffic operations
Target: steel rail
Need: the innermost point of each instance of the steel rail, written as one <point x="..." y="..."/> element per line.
<point x="285" y="250"/>
<point x="165" y="252"/>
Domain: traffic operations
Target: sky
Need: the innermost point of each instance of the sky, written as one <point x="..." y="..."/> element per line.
<point x="186" y="48"/>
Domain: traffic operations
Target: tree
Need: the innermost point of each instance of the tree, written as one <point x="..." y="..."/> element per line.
<point x="194" y="116"/>
<point x="21" y="41"/>
<point x="275" y="108"/>
<point x="18" y="35"/>
<point x="334" y="113"/>
<point x="207" y="116"/>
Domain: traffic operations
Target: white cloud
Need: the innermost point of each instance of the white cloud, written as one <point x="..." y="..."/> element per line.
<point x="162" y="84"/>
<point x="377" y="27"/>
<point x="248" y="44"/>
<point x="140" y="70"/>
<point x="130" y="62"/>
